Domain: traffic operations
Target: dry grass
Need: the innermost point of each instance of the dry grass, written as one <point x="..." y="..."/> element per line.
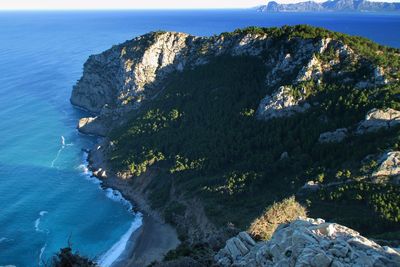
<point x="285" y="211"/>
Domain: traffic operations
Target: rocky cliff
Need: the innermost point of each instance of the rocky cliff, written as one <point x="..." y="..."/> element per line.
<point x="118" y="80"/>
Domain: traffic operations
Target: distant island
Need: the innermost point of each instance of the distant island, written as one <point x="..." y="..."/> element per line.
<point x="331" y="6"/>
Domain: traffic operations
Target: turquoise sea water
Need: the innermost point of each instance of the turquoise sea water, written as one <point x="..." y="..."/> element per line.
<point x="46" y="198"/>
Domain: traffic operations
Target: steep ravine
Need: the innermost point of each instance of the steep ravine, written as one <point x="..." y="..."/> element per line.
<point x="301" y="68"/>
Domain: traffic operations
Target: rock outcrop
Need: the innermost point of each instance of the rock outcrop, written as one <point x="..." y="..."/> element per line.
<point x="389" y="164"/>
<point x="93" y="125"/>
<point x="377" y="119"/>
<point x="282" y="103"/>
<point x="307" y="242"/>
<point x="333" y="137"/>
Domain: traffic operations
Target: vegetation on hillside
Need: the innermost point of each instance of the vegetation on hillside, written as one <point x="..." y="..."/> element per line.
<point x="67" y="258"/>
<point x="202" y="134"/>
<point x="378" y="54"/>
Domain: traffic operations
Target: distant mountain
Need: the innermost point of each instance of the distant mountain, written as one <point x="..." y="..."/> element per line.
<point x="332" y="5"/>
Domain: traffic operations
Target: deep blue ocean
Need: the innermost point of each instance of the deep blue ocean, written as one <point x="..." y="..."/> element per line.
<point x="46" y="196"/>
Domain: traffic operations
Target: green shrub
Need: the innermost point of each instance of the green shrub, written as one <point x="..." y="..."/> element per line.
<point x="281" y="212"/>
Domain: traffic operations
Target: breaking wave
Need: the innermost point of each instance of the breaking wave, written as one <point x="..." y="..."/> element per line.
<point x="63" y="145"/>
<point x="37" y="221"/>
<point x="108" y="258"/>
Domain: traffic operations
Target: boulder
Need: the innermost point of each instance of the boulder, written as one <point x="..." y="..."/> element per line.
<point x="235" y="249"/>
<point x="377" y="119"/>
<point x="333" y="137"/>
<point x="310" y="242"/>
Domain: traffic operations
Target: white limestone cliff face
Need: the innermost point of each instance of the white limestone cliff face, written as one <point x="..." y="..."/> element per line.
<point x="281" y="103"/>
<point x="117" y="76"/>
<point x="307" y="242"/>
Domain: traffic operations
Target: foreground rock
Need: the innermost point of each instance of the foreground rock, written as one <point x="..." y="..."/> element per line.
<point x="307" y="242"/>
<point x="377" y="119"/>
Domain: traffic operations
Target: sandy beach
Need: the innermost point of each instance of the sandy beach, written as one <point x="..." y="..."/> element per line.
<point x="148" y="244"/>
<point x="151" y="241"/>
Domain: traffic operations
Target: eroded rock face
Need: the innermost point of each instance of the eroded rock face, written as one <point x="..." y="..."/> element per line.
<point x="93" y="126"/>
<point x="377" y="119"/>
<point x="308" y="242"/>
<point x="118" y="75"/>
<point x="313" y="70"/>
<point x="281" y="103"/>
<point x="389" y="164"/>
<point x="333" y="137"/>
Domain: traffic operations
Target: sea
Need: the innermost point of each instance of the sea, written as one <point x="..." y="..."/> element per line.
<point x="48" y="199"/>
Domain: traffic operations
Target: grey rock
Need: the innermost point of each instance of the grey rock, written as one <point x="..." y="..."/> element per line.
<point x="321" y="260"/>
<point x="377" y="119"/>
<point x="310" y="242"/>
<point x="281" y="103"/>
<point x="389" y="164"/>
<point x="93" y="126"/>
<point x="233" y="249"/>
<point x="240" y="246"/>
<point x="245" y="237"/>
<point x="333" y="137"/>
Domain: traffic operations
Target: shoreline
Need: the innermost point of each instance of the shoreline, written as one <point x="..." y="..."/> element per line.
<point x="154" y="238"/>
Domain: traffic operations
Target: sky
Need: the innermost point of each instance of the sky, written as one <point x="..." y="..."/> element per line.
<point x="132" y="4"/>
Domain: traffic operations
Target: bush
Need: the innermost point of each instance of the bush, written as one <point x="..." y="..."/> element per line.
<point x="281" y="212"/>
<point x="66" y="258"/>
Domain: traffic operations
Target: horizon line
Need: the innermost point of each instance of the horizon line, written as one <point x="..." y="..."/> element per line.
<point x="123" y="9"/>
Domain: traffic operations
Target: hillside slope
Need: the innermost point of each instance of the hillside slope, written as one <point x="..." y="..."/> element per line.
<point x="213" y="130"/>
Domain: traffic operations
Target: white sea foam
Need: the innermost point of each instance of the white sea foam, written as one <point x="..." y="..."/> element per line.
<point x="37" y="221"/>
<point x="41" y="254"/>
<point x="63" y="145"/>
<point x="116" y="196"/>
<point x="84" y="167"/>
<point x="108" y="258"/>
